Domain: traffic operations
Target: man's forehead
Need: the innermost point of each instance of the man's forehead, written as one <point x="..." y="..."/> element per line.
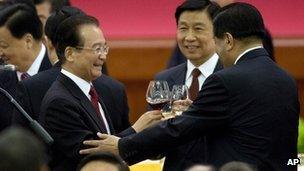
<point x="91" y="34"/>
<point x="194" y="17"/>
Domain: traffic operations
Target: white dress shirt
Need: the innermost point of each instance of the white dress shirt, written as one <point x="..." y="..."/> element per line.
<point x="85" y="88"/>
<point x="206" y="69"/>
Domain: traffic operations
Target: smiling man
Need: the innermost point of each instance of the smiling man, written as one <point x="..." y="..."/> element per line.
<point x="195" y="39"/>
<point x="80" y="103"/>
<point x="20" y="45"/>
<point x="71" y="110"/>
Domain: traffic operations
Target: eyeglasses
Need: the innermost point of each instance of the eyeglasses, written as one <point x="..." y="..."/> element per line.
<point x="103" y="50"/>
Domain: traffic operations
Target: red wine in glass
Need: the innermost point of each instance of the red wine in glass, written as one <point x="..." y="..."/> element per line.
<point x="158" y="94"/>
<point x="158" y="105"/>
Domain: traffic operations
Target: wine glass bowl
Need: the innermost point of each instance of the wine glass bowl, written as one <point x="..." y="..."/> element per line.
<point x="158" y="94"/>
<point x="179" y="92"/>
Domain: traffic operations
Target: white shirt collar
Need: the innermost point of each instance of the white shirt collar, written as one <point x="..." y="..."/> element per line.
<point x="37" y="62"/>
<point x="81" y="83"/>
<point x="34" y="68"/>
<point x="206" y="68"/>
<point x="242" y="54"/>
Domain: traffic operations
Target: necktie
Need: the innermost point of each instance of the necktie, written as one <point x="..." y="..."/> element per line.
<point x="194" y="87"/>
<point x="94" y="100"/>
<point x="24" y="75"/>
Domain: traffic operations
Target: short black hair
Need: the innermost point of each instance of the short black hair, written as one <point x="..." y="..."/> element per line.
<point x="37" y="2"/>
<point x="21" y="19"/>
<point x="241" y="20"/>
<point x="67" y="33"/>
<point x="58" y="4"/>
<point x="57" y="17"/>
<point x="197" y="5"/>
<point x="268" y="44"/>
<point x="20" y="150"/>
<point x="104" y="157"/>
<point x="30" y="3"/>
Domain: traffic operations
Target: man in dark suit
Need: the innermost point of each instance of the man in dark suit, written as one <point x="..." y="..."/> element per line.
<point x="20" y="45"/>
<point x="190" y="17"/>
<point x="71" y="110"/>
<point x="248" y="111"/>
<point x="31" y="91"/>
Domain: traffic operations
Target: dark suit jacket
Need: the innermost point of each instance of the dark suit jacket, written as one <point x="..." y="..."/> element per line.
<point x="177" y="58"/>
<point x="249" y="112"/>
<point x="9" y="82"/>
<point x="31" y="91"/>
<point x="68" y="115"/>
<point x="194" y="152"/>
<point x="45" y="63"/>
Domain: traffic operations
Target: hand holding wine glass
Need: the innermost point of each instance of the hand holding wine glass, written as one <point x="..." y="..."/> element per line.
<point x="180" y="99"/>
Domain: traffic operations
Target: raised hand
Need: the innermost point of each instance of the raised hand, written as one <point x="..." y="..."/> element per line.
<point x="147" y="119"/>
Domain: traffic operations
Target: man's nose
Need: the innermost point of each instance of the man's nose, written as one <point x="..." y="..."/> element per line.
<point x="190" y="36"/>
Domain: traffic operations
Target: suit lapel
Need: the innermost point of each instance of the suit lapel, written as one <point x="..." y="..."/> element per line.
<point x="45" y="63"/>
<point x="179" y="76"/>
<point x="101" y="91"/>
<point x="83" y="99"/>
<point x="218" y="66"/>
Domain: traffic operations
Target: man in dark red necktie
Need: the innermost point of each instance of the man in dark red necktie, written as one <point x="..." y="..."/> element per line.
<point x="21" y="46"/>
<point x="73" y="109"/>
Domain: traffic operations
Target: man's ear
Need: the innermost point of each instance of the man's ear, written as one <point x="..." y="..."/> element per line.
<point x="69" y="54"/>
<point x="29" y="40"/>
<point x="229" y="40"/>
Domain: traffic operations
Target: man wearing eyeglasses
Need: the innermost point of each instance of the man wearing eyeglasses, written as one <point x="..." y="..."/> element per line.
<point x="73" y="109"/>
<point x="32" y="90"/>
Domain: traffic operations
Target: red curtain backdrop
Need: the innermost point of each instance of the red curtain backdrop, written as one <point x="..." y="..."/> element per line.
<point x="155" y="18"/>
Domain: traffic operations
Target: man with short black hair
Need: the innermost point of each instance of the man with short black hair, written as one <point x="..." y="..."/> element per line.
<point x="195" y="39"/>
<point x="73" y="109"/>
<point x="31" y="91"/>
<point x="20" y="45"/>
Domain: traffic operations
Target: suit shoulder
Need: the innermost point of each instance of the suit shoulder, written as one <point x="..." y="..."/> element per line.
<point x="42" y="78"/>
<point x="168" y="72"/>
<point x="110" y="82"/>
<point x="5" y="75"/>
<point x="57" y="91"/>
